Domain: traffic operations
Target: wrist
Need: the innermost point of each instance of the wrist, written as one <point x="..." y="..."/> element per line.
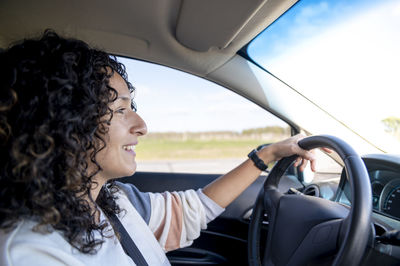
<point x="266" y="154"/>
<point x="256" y="156"/>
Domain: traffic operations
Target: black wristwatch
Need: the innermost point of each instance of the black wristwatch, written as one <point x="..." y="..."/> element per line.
<point x="256" y="160"/>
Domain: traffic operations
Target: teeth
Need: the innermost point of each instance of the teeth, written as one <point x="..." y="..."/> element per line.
<point x="129" y="147"/>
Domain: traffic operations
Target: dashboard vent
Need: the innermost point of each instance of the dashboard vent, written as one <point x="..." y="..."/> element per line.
<point x="311" y="190"/>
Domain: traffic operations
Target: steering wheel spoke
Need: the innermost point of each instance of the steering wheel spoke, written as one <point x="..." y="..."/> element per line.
<point x="302" y="228"/>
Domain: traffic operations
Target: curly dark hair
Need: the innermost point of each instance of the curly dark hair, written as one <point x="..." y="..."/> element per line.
<point x="54" y="98"/>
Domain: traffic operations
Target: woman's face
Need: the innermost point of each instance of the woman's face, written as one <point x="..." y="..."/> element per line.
<point x="118" y="157"/>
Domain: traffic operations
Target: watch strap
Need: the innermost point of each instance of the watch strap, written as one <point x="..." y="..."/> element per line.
<point x="257" y="161"/>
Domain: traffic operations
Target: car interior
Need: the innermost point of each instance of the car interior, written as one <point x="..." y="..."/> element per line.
<point x="279" y="219"/>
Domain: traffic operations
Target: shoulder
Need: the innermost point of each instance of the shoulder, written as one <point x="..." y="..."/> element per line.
<point x="19" y="245"/>
<point x="140" y="200"/>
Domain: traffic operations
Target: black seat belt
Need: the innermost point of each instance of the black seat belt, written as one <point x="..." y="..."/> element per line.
<point x="127" y="243"/>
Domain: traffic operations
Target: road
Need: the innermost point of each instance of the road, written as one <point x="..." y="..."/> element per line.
<point x="216" y="166"/>
<point x="329" y="170"/>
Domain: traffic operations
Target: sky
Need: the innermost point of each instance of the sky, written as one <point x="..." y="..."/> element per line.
<point x="172" y="100"/>
<point x="341" y="54"/>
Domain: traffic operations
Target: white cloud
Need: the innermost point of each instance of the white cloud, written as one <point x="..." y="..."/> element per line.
<point x="350" y="69"/>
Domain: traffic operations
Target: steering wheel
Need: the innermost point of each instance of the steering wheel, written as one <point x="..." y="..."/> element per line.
<point x="302" y="228"/>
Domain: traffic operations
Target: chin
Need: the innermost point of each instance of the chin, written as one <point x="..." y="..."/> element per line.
<point x="130" y="170"/>
<point x="122" y="170"/>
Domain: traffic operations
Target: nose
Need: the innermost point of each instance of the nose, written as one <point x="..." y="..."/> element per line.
<point x="139" y="127"/>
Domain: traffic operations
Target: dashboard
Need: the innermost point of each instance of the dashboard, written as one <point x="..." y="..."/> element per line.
<point x="384" y="174"/>
<point x="386" y="192"/>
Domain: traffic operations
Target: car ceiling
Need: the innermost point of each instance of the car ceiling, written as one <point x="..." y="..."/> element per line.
<point x="191" y="35"/>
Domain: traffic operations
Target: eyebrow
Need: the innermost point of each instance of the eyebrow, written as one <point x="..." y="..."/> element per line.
<point x="124" y="98"/>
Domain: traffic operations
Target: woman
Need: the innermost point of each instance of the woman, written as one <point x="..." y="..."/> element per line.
<point x="68" y="128"/>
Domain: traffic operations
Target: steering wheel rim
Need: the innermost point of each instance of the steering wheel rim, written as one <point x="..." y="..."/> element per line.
<point x="352" y="231"/>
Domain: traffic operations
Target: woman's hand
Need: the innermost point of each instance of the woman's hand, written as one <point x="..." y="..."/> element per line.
<point x="288" y="147"/>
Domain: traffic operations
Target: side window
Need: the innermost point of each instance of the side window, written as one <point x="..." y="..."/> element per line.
<point x="195" y="125"/>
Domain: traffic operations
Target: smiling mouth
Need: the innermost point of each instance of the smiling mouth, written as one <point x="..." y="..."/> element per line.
<point x="130" y="148"/>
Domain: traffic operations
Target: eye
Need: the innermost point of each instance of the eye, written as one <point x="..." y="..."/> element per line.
<point x="120" y="110"/>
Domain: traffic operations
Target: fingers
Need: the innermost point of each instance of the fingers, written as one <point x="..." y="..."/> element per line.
<point x="304" y="157"/>
<point x="313" y="165"/>
<point x="290" y="146"/>
<point x="298" y="162"/>
<point x="302" y="163"/>
<point x="327" y="150"/>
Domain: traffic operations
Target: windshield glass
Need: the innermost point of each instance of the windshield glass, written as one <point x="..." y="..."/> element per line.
<point x="344" y="56"/>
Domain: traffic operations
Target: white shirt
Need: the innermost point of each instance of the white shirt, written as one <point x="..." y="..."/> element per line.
<point x="23" y="247"/>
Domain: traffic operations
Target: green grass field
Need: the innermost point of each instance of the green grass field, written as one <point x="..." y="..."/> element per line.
<point x="175" y="149"/>
<point x="161" y="149"/>
<point x="205" y="145"/>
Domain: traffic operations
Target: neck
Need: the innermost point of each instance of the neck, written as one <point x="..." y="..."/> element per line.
<point x="98" y="180"/>
<point x="97" y="184"/>
<point x="96" y="187"/>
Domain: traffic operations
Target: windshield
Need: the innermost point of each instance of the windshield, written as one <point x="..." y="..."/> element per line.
<point x="344" y="56"/>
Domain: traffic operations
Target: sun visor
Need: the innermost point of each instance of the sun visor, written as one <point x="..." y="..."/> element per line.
<point x="201" y="24"/>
